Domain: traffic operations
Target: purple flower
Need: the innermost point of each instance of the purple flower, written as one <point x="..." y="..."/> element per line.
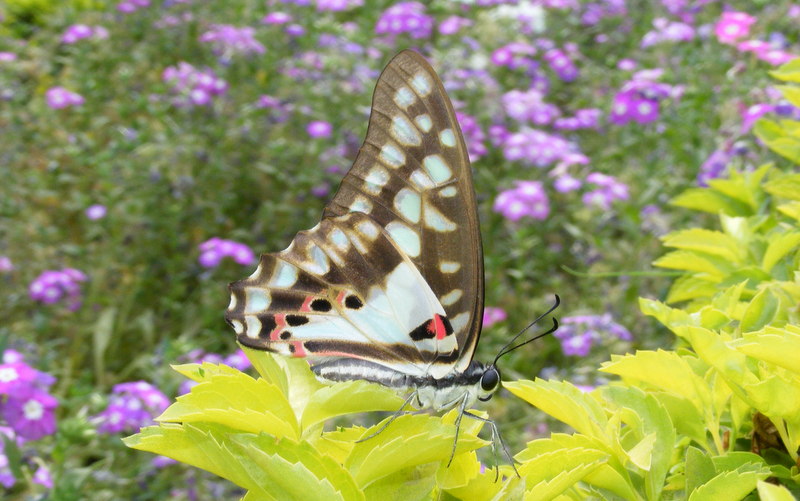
<point x="338" y="5"/>
<point x="237" y="360"/>
<point x="319" y="129"/>
<point x="667" y="31"/>
<point x="59" y="98"/>
<point x="536" y="148"/>
<point x="193" y="87"/>
<point x="228" y="41"/>
<point x="78" y="32"/>
<point x="131" y="406"/>
<point x="609" y="190"/>
<point x="6" y="265"/>
<point x="515" y="55"/>
<point x="529" y="106"/>
<point x="453" y="24"/>
<point x="561" y="64"/>
<point x="492" y="315"/>
<point x="14" y="376"/>
<point x="53" y="285"/>
<point x="213" y="250"/>
<point x="295" y="30"/>
<point x="7" y="57"/>
<point x="732" y="26"/>
<point x="43" y="476"/>
<point x="31" y="413"/>
<point x="578" y="333"/>
<point x="130" y="6"/>
<point x="95" y="212"/>
<point x="405" y="17"/>
<point x="276" y="18"/>
<point x="714" y="166"/>
<point x="566" y="183"/>
<point x="578" y="345"/>
<point x="527" y="199"/>
<point x="473" y="136"/>
<point x="753" y="113"/>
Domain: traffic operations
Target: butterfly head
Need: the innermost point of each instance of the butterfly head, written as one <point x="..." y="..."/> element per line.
<point x="489" y="383"/>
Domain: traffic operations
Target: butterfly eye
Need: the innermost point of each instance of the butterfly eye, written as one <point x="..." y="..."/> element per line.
<point x="490" y="379"/>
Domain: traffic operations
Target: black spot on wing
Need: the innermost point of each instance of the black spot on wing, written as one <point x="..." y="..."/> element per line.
<point x="322" y="305"/>
<point x="295" y="320"/>
<point x="353" y="302"/>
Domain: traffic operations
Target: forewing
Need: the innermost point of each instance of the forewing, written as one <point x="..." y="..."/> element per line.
<point x="412" y="176"/>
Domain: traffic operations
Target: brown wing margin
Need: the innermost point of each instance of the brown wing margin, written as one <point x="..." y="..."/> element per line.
<point x="400" y="178"/>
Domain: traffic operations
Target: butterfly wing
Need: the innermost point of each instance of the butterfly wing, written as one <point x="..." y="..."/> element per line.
<point x="393" y="274"/>
<point x="413" y="177"/>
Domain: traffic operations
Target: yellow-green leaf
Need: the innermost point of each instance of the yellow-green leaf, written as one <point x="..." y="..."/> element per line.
<point x="729" y="485"/>
<point x="707" y="200"/>
<point x="760" y="311"/>
<point x="788" y="72"/>
<point x="348" y="398"/>
<point x="560" y="480"/>
<point x="785" y="186"/>
<point x="691" y="261"/>
<point x="691" y="287"/>
<point x="772" y="492"/>
<point x="778" y="247"/>
<point x="791" y="209"/>
<point x="708" y="241"/>
<point x="776" y="346"/>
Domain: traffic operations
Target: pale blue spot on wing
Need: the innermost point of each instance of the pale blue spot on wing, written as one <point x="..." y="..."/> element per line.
<point x="406" y="238"/>
<point x="408" y="203"/>
<point x="447" y="137"/>
<point x="437" y="168"/>
<point x="404" y="132"/>
<point x="256" y="300"/>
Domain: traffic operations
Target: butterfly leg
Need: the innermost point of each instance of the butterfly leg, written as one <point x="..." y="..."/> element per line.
<point x="495" y="436"/>
<point x="394" y="416"/>
<point x="462" y="409"/>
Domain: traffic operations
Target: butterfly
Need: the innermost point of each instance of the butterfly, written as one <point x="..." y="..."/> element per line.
<point x="389" y="286"/>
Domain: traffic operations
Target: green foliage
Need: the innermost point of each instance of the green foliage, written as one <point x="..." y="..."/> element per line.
<point x="266" y="435"/>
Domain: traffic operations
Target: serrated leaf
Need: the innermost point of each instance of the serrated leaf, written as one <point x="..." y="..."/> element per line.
<point x="771" y="492"/>
<point x="690" y="287"/>
<point x="711" y="242"/>
<point x="560" y="479"/>
<point x="781" y="141"/>
<point x="348" y="398"/>
<point x="735" y="188"/>
<point x="203" y="372"/>
<point x="739" y="461"/>
<point x="687" y="418"/>
<point x="690" y="261"/>
<point x="779" y="247"/>
<point x="668" y="316"/>
<point x="730" y="486"/>
<point x="564" y="402"/>
<point x="237" y="401"/>
<point x="776" y="346"/>
<point x="707" y="200"/>
<point x="728" y="300"/>
<point x="408" y="441"/>
<point x="760" y="311"/>
<point x="416" y="482"/>
<point x="785" y="186"/>
<point x="205" y="447"/>
<point x="699" y="469"/>
<point x="791" y="93"/>
<point x="267" y="366"/>
<point x="484" y="488"/>
<point x="777" y="396"/>
<point x="295" y="470"/>
<point x="663" y="370"/>
<point x="461" y="471"/>
<point x="653" y="452"/>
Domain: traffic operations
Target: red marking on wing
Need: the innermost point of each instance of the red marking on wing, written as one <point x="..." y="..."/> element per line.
<point x="340" y="297"/>
<point x="307" y="303"/>
<point x="280" y="324"/>
<point x="436" y="326"/>
<point x="299" y="350"/>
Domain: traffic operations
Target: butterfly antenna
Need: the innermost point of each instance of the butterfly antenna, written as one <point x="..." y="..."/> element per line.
<point x="505" y="349"/>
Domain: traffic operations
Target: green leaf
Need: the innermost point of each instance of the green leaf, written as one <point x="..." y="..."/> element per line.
<point x="791" y="93"/>
<point x="653" y="452"/>
<point x="707" y="200"/>
<point x="668" y="316"/>
<point x="410" y="440"/>
<point x="555" y="474"/>
<point x="203" y="372"/>
<point x="760" y="311"/>
<point x="728" y="300"/>
<point x="771" y="492"/>
<point x="788" y="72"/>
<point x="690" y="287"/>
<point x="101" y="337"/>
<point x="791" y="209"/>
<point x="699" y="469"/>
<point x="785" y="186"/>
<point x="267" y="366"/>
<point x="690" y="261"/>
<point x="564" y="402"/>
<point x="776" y="346"/>
<point x="663" y="370"/>
<point x="205" y="447"/>
<point x="348" y="398"/>
<point x="740" y="461"/>
<point x="711" y="242"/>
<point x="730" y="486"/>
<point x="416" y="482"/>
<point x="688" y="420"/>
<point x="735" y="188"/>
<point x="237" y="401"/>
<point x="778" y="247"/>
<point x="460" y="472"/>
<point x="294" y="470"/>
<point x="484" y="488"/>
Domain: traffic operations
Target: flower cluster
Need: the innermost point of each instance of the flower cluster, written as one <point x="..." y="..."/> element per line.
<point x="639" y="99"/>
<point x="405" y="17"/>
<point x="607" y="190"/>
<point x="26" y="406"/>
<point x="453" y="24"/>
<point x="131" y="406"/>
<point x="561" y="64"/>
<point x="528" y="198"/>
<point x="535" y="147"/>
<point x="732" y="27"/>
<point x="586" y="118"/>
<point x="714" y="166"/>
<point x="59" y="97"/>
<point x="213" y="250"/>
<point x="594" y="12"/>
<point x="515" y="55"/>
<point x="77" y="32"/>
<point x="193" y="87"/>
<point x="276" y="18"/>
<point x="319" y="129"/>
<point x="51" y="286"/>
<point x="529" y="106"/>
<point x="667" y="31"/>
<point x="493" y="315"/>
<point x="473" y="136"/>
<point x="338" y="5"/>
<point x="96" y="211"/>
<point x="228" y="41"/>
<point x="580" y="332"/>
<point x="130" y="6"/>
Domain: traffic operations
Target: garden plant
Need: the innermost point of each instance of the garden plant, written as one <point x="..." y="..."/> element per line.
<point x="637" y="159"/>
